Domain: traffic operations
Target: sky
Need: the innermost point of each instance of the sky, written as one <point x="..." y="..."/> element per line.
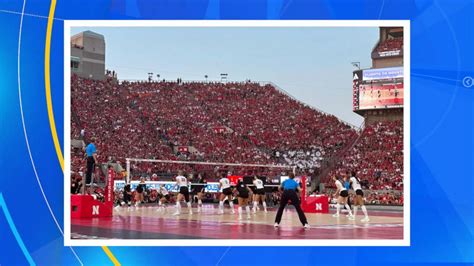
<point x="312" y="64"/>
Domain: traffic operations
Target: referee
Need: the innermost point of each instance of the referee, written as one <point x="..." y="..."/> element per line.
<point x="91" y="153"/>
<point x="289" y="188"/>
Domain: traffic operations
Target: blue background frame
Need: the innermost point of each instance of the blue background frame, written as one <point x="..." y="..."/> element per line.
<point x="442" y="119"/>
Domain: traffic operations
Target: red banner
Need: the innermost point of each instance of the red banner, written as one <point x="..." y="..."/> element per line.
<point x="109" y="189"/>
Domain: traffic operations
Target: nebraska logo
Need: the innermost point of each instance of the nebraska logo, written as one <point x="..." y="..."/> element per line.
<point x="95" y="210"/>
<point x="319" y="207"/>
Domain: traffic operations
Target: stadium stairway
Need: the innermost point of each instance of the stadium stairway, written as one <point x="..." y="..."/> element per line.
<point x="331" y="162"/>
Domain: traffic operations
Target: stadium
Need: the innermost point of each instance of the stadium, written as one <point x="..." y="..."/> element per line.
<point x="147" y="132"/>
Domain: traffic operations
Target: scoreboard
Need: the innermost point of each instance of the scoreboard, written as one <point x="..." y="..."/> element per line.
<point x="377" y="88"/>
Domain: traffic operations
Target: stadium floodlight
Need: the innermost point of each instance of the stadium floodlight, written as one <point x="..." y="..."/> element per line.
<point x="224" y="76"/>
<point x="356" y="64"/>
<point x="205" y="76"/>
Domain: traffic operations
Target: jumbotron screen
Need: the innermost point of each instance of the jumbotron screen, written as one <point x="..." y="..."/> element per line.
<point x="377" y="88"/>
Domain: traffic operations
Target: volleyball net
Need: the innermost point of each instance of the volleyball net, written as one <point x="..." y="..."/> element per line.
<point x="157" y="172"/>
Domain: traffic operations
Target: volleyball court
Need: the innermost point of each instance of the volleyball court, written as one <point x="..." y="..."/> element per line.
<point x="142" y="205"/>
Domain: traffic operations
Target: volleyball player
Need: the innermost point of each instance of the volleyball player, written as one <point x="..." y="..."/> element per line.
<point x="200" y="190"/>
<point x="289" y="188"/>
<point x="164" y="197"/>
<point x="127" y="196"/>
<point x="139" y="198"/>
<point x="259" y="194"/>
<point x="243" y="198"/>
<point x="253" y="195"/>
<point x="226" y="192"/>
<point x="183" y="193"/>
<point x="341" y="194"/>
<point x="347" y="185"/>
<point x="359" y="200"/>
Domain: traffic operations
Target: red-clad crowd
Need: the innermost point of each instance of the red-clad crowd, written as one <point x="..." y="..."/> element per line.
<point x="384" y="198"/>
<point x="390" y="44"/>
<point x="152" y="119"/>
<point x="107" y="112"/>
<point x="182" y="117"/>
<point x="377" y="157"/>
<point x="257" y="119"/>
<point x="218" y="122"/>
<point x="375" y="197"/>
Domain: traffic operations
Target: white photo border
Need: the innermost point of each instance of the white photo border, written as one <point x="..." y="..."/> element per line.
<point x="68" y="24"/>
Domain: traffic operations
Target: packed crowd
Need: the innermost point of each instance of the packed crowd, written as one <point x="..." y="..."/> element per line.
<point x="105" y="111"/>
<point x="259" y="118"/>
<point x="182" y="118"/>
<point x="384" y="198"/>
<point x="151" y="119"/>
<point x="373" y="197"/>
<point x="257" y="125"/>
<point x="390" y="44"/>
<point x="377" y="157"/>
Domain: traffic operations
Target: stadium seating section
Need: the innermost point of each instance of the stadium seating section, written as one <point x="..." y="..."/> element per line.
<point x="377" y="155"/>
<point x="392" y="44"/>
<point x="225" y="122"/>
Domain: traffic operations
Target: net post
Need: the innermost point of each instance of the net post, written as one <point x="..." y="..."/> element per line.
<point x="127" y="179"/>
<point x="303" y="192"/>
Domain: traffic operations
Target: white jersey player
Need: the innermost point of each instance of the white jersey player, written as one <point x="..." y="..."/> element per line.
<point x="259" y="194"/>
<point x="341" y="194"/>
<point x="182" y="183"/>
<point x="359" y="201"/>
<point x="164" y="196"/>
<point x="226" y="192"/>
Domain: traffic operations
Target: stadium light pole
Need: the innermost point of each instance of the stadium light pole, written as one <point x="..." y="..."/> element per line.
<point x="150" y="76"/>
<point x="205" y="76"/>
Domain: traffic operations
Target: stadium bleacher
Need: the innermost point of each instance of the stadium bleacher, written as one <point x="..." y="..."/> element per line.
<point x="377" y="155"/>
<point x="225" y="122"/>
<point x="390" y="44"/>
